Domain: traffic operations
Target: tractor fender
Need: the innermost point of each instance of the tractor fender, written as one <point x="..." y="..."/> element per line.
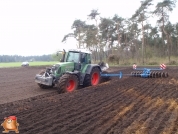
<point x="77" y="73"/>
<point x="90" y="67"/>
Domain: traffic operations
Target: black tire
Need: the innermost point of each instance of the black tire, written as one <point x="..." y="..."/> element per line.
<point x="41" y="85"/>
<point x="67" y="83"/>
<point x="89" y="78"/>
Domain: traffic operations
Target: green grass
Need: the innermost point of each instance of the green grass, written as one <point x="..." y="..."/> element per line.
<point x="35" y="63"/>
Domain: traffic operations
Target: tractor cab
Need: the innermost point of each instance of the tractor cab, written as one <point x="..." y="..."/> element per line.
<point x="76" y="55"/>
<point x="79" y="57"/>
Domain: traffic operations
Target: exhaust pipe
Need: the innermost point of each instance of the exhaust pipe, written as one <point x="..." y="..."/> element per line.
<point x="63" y="55"/>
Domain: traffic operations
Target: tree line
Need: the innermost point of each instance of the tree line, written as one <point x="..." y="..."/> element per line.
<point x="133" y="37"/>
<point x="16" y="58"/>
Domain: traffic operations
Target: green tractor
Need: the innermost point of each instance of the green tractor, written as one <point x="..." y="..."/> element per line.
<point x="74" y="69"/>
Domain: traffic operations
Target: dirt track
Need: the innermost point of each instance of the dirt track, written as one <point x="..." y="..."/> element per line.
<point x="128" y="105"/>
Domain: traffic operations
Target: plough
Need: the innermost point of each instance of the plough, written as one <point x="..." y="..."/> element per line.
<point x="142" y="72"/>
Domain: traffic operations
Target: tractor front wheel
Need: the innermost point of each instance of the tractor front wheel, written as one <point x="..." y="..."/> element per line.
<point x="93" y="78"/>
<point x="67" y="83"/>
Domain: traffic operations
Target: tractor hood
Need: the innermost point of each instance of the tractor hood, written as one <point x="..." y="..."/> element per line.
<point x="65" y="66"/>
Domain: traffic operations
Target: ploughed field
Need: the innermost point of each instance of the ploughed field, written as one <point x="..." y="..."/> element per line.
<point x="127" y="105"/>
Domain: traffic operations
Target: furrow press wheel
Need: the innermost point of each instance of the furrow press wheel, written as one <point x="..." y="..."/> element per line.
<point x="135" y="74"/>
<point x="166" y="74"/>
<point x="151" y="75"/>
<point x="138" y="73"/>
<point x="162" y="74"/>
<point x="132" y="73"/>
<point x="93" y="78"/>
<point x="156" y="75"/>
<point x="67" y="83"/>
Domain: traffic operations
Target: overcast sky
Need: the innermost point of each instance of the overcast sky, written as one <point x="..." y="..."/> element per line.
<point x="37" y="27"/>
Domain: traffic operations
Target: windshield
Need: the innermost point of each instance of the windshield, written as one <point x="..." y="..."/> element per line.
<point x="73" y="57"/>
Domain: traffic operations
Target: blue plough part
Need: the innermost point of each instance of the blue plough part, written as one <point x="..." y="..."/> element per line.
<point x="146" y="72"/>
<point x="112" y="75"/>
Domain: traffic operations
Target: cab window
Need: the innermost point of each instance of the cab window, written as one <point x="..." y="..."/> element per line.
<point x="89" y="58"/>
<point x="86" y="58"/>
<point x="73" y="57"/>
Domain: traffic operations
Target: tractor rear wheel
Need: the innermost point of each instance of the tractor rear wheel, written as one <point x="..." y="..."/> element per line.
<point x="93" y="78"/>
<point x="67" y="83"/>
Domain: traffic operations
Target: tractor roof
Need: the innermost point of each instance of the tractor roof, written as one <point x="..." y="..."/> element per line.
<point x="80" y="50"/>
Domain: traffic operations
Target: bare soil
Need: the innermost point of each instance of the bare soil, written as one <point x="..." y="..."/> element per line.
<point x="18" y="83"/>
<point x="127" y="105"/>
